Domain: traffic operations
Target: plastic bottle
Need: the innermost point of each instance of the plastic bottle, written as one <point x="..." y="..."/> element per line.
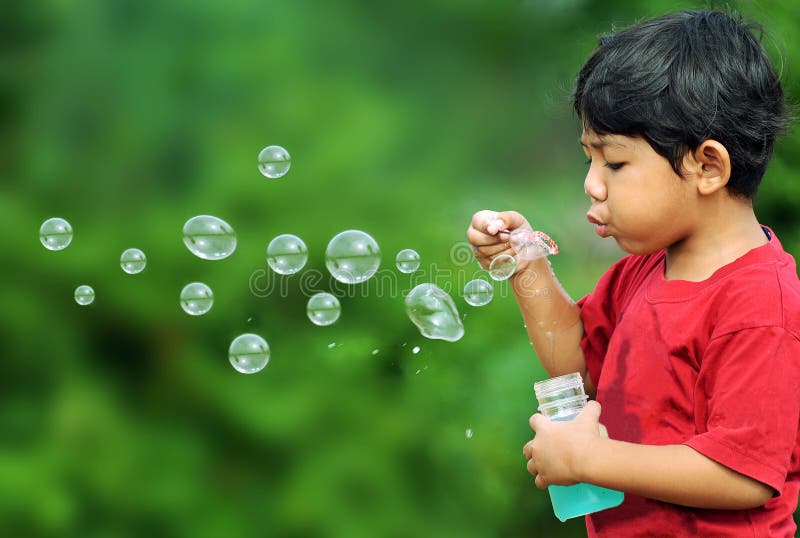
<point x="562" y="398"/>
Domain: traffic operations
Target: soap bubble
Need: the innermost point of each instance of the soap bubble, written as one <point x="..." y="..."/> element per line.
<point x="274" y="162"/>
<point x="415" y="350"/>
<point x="352" y="256"/>
<point x="287" y="254"/>
<point x="84" y="295"/>
<point x="469" y="433"/>
<point x="196" y="299"/>
<point x="55" y="234"/>
<point x="323" y="309"/>
<point x="478" y="292"/>
<point x="133" y="261"/>
<point x="434" y="313"/>
<point x="407" y="260"/>
<point x="249" y="353"/>
<point x="502" y="267"/>
<point x="209" y="237"/>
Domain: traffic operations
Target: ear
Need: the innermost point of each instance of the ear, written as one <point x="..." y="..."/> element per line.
<point x="713" y="167"/>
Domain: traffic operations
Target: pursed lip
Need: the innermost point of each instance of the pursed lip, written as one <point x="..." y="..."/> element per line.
<point x="599" y="227"/>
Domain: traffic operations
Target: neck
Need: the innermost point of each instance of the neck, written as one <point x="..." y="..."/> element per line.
<point x="722" y="237"/>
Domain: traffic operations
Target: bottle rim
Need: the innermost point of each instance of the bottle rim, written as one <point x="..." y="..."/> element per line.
<point x="555" y="384"/>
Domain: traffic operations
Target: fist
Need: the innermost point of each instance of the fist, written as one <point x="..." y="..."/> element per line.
<point x="489" y="234"/>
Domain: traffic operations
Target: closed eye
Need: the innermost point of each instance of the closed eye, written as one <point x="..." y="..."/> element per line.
<point x="611" y="166"/>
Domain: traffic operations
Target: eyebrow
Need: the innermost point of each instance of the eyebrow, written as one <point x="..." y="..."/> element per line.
<point x="602" y="143"/>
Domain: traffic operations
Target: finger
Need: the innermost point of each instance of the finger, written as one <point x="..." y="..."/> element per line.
<point x="479" y="238"/>
<point x="590" y="413"/>
<point x="527" y="450"/>
<point x="531" y="467"/>
<point x="537" y="421"/>
<point x="490" y="251"/>
<point x="482" y="219"/>
<point x="540" y="482"/>
<point x="511" y="220"/>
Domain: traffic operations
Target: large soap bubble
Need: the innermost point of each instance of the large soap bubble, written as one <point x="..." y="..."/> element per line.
<point x="352" y="256"/>
<point x="434" y="313"/>
<point x="209" y="237"/>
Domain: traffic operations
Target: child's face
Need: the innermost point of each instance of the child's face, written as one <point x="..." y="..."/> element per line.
<point x="637" y="198"/>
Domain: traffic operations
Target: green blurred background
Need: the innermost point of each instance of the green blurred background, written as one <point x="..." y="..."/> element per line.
<point x="127" y="117"/>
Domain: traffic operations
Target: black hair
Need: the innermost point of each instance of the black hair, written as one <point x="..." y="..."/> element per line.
<point x="683" y="78"/>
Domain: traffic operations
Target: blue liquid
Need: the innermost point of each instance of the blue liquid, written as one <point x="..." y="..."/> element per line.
<point x="581" y="499"/>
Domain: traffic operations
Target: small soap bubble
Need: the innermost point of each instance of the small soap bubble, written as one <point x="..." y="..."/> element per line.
<point x="332" y="345"/>
<point x="502" y="267"/>
<point x="468" y="433"/>
<point x="352" y="256"/>
<point x="208" y="237"/>
<point x="287" y="254"/>
<point x="55" y="234"/>
<point x="415" y="350"/>
<point x="133" y="261"/>
<point x="249" y="353"/>
<point x="323" y="309"/>
<point x="478" y="292"/>
<point x="197" y="299"/>
<point x="407" y="260"/>
<point x="434" y="313"/>
<point x="274" y="162"/>
<point x="84" y="295"/>
<point x="375" y="351"/>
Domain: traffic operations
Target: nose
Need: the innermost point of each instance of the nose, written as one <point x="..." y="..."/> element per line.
<point x="593" y="185"/>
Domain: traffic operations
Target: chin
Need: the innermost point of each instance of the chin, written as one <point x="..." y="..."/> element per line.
<point x="637" y="247"/>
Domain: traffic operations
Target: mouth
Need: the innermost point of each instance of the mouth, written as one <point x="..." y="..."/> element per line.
<point x="600" y="228"/>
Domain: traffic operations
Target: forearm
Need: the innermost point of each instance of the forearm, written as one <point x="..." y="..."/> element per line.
<point x="672" y="473"/>
<point x="552" y="319"/>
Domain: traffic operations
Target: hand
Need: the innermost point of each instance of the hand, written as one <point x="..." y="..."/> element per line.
<point x="489" y="235"/>
<point x="560" y="449"/>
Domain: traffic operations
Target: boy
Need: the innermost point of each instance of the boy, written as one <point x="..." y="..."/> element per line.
<point x="689" y="343"/>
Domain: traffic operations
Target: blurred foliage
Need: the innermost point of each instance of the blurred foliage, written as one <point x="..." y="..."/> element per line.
<point x="127" y="117"/>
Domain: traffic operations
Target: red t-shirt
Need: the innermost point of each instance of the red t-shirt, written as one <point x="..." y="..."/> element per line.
<point x="714" y="365"/>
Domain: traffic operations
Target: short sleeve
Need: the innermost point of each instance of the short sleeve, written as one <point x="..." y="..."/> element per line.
<point x="747" y="403"/>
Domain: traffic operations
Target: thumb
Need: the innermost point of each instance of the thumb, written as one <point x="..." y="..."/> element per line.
<point x="511" y="220"/>
<point x="591" y="413"/>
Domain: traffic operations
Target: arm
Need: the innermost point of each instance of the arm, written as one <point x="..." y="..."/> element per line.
<point x="552" y="319"/>
<point x="564" y="453"/>
<point x="672" y="473"/>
